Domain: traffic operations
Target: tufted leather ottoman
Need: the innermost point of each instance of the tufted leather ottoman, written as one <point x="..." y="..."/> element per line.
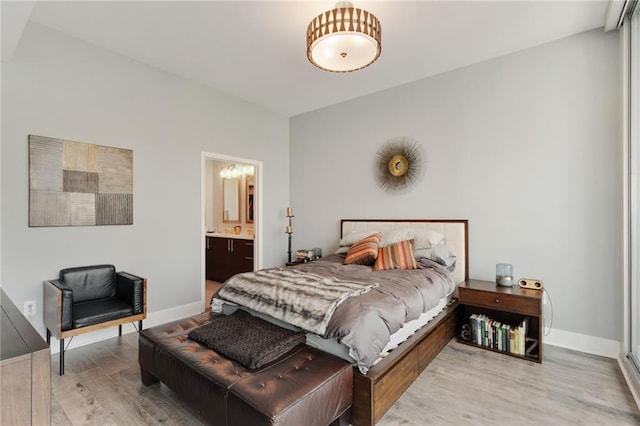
<point x="305" y="386"/>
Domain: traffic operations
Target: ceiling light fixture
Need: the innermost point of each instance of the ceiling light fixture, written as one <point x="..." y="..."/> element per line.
<point x="344" y="39"/>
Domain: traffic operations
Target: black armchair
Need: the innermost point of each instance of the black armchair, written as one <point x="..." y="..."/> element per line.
<point x="90" y="298"/>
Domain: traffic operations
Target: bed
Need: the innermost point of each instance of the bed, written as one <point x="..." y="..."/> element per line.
<point x="378" y="383"/>
<point x="375" y="392"/>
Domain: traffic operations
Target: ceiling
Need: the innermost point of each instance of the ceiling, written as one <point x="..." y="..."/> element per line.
<point x="257" y="50"/>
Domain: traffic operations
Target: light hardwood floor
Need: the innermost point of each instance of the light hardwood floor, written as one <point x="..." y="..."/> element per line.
<point x="462" y="386"/>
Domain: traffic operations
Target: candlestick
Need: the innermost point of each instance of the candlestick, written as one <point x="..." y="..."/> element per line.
<point x="289" y="231"/>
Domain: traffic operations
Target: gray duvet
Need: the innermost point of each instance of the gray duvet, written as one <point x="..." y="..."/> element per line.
<point x="365" y="322"/>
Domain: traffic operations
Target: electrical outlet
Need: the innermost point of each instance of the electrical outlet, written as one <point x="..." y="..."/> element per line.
<point x="29" y="308"/>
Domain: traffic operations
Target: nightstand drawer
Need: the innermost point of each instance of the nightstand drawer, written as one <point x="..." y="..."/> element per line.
<point x="501" y="302"/>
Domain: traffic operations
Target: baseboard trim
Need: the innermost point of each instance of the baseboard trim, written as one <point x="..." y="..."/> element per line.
<point x="153" y="319"/>
<point x="583" y="343"/>
<point x="564" y="339"/>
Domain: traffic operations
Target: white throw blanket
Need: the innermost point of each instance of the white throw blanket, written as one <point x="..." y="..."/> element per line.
<point x="304" y="299"/>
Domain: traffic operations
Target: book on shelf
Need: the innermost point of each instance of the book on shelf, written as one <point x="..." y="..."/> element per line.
<point x="473" y="335"/>
<point x="503" y="337"/>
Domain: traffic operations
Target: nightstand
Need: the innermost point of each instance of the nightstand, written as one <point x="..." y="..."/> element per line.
<point x="491" y="317"/>
<point x="299" y="262"/>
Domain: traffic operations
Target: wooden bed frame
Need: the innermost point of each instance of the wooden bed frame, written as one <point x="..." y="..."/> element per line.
<point x="375" y="392"/>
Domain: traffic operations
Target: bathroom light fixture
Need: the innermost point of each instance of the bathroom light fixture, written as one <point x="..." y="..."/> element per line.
<point x="231" y="171"/>
<point x="344" y="39"/>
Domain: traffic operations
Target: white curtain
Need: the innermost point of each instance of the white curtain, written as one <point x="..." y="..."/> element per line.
<point x="631" y="197"/>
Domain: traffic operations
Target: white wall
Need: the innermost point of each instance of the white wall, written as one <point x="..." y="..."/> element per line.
<point x="525" y="146"/>
<point x="61" y="87"/>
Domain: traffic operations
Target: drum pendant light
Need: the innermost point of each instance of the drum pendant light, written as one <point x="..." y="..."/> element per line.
<point x="344" y="39"/>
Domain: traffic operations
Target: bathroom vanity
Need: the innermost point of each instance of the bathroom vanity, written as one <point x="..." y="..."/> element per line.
<point x="228" y="255"/>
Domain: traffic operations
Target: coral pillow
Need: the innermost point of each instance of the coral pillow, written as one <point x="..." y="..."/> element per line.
<point x="396" y="256"/>
<point x="364" y="252"/>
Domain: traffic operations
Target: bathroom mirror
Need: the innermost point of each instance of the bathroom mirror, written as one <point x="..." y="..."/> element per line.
<point x="249" y="199"/>
<point x="231" y="200"/>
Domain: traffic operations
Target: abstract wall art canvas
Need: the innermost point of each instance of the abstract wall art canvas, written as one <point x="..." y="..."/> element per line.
<point x="79" y="184"/>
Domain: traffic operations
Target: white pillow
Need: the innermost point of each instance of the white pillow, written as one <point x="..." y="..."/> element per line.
<point x="422" y="238"/>
<point x="426" y="238"/>
<point x="353" y="237"/>
<point x="438" y="253"/>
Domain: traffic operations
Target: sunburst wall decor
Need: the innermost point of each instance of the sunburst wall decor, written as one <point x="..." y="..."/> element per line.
<point x="400" y="164"/>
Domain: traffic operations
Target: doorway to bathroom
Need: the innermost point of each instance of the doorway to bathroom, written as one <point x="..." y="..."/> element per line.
<point x="231" y="218"/>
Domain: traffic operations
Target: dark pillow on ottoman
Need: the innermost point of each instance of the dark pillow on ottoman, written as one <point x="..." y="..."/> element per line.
<point x="246" y="339"/>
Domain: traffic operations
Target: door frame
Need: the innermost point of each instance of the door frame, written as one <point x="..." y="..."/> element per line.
<point x="257" y="205"/>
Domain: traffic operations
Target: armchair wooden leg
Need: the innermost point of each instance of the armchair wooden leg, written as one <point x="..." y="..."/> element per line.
<point x="139" y="326"/>
<point x="62" y="357"/>
<point x="48" y="337"/>
<point x="120" y="330"/>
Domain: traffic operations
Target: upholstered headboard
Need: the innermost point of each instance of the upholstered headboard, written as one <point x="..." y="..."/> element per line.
<point x="455" y="235"/>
